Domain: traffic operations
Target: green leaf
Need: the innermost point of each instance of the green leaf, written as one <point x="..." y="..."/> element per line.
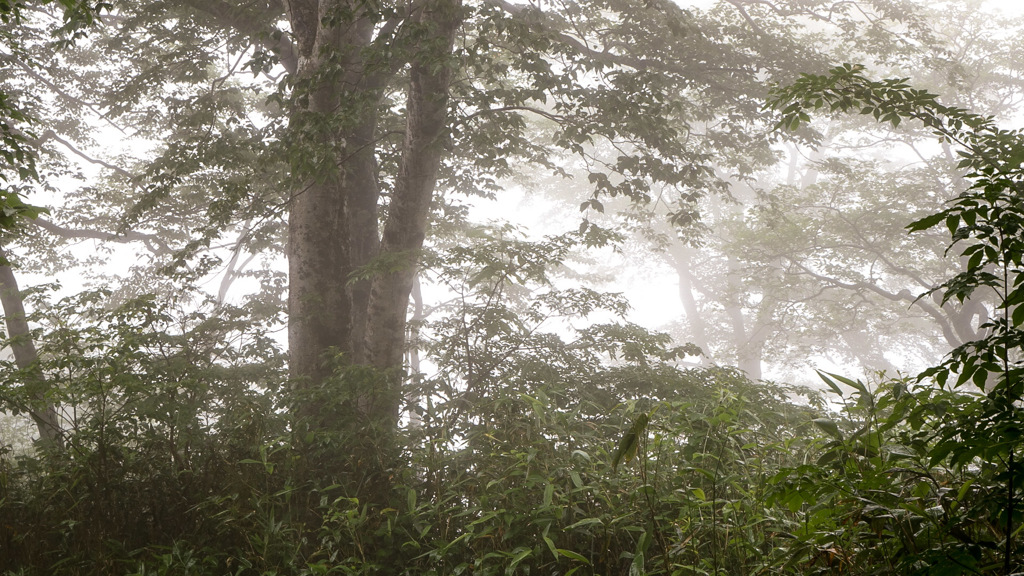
<point x="964" y="489"/>
<point x="953" y="223"/>
<point x="626" y="449"/>
<point x="1017" y="318"/>
<point x="829" y="427"/>
<point x="636" y="568"/>
<point x="573" y="555"/>
<point x="855" y="384"/>
<point x="585" y="522"/>
<point x="519" y="554"/>
<point x="551" y="544"/>
<point x="926" y="222"/>
<point x="831" y="384"/>
<point x="630" y="441"/>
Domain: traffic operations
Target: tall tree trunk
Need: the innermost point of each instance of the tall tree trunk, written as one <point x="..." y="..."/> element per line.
<point x="333" y="223"/>
<point x="405" y="230"/>
<point x="681" y="259"/>
<point x="748" y="341"/>
<point x="40" y="408"/>
<point x="332" y="228"/>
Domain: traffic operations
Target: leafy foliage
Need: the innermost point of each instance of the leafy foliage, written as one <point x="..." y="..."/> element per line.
<point x="546" y="435"/>
<point x="181" y="460"/>
<point x="17" y="154"/>
<point x="981" y="439"/>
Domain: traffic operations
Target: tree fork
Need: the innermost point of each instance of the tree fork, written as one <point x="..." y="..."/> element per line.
<point x="334" y="227"/>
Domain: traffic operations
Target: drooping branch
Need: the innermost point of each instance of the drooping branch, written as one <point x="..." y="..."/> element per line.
<point x="904" y="295"/>
<point x="51" y="135"/>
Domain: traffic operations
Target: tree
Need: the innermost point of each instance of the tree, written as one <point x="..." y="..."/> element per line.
<point x="17" y="167"/>
<point x="982" y="378"/>
<point x="382" y="105"/>
<point x="37" y="404"/>
<point x="808" y="261"/>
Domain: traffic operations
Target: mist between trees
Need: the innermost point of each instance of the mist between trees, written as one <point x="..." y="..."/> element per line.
<point x="269" y="307"/>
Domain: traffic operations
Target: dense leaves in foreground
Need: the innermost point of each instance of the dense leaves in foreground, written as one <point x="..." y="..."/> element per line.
<point x="179" y="466"/>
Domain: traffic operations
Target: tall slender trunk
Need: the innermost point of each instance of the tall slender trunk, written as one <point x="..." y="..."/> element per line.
<point x="681" y="258"/>
<point x="749" y="341"/>
<point x="40" y="407"/>
<point x="430" y="77"/>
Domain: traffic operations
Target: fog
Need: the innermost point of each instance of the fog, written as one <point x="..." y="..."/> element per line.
<point x="448" y="287"/>
<point x="823" y="323"/>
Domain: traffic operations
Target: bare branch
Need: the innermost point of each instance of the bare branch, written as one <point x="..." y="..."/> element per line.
<point x="129" y="236"/>
<point x="51" y="135"/>
<point x="904" y="295"/>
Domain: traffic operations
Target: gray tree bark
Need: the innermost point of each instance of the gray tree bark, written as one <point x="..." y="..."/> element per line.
<point x="334" y="227"/>
<point x="40" y="407"/>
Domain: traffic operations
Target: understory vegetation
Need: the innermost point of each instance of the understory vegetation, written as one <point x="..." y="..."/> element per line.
<point x="527" y="452"/>
<point x="174" y="468"/>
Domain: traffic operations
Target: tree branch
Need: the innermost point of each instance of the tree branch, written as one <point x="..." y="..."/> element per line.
<point x="129" y="236"/>
<point x="537" y="111"/>
<point x="62" y="93"/>
<point x="234" y="17"/>
<point x="903" y="295"/>
<point x="51" y="135"/>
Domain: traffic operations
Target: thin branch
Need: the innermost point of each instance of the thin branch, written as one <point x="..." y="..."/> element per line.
<point x="233" y="269"/>
<point x="51" y="135"/>
<point x="60" y="92"/>
<point x="550" y="116"/>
